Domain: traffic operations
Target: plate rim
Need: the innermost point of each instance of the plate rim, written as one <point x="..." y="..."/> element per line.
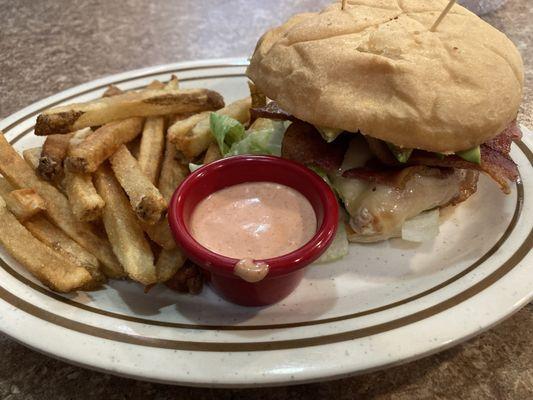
<point x="238" y="62"/>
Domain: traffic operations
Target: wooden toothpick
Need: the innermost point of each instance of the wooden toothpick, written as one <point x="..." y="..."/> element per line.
<point x="442" y="15"/>
<point x="343" y="7"/>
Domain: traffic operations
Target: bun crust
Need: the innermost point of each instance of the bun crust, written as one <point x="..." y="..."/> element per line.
<point x="376" y="68"/>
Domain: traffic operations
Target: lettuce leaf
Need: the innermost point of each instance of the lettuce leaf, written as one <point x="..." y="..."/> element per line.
<point x="261" y="142"/>
<point x="340" y="246"/>
<point x="233" y="139"/>
<point x="226" y="131"/>
<point x="193" y="167"/>
<point x="402" y="155"/>
<point x="423" y="227"/>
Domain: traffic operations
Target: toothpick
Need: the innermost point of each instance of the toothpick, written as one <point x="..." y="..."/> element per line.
<point x="343" y="7"/>
<point x="442" y="15"/>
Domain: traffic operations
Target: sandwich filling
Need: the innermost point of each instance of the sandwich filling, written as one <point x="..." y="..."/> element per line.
<point x="382" y="186"/>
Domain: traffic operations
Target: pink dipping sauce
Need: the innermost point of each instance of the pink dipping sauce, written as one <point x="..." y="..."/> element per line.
<point x="253" y="221"/>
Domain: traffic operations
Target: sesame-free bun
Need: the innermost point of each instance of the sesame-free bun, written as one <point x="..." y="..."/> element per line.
<point x="376" y="68"/>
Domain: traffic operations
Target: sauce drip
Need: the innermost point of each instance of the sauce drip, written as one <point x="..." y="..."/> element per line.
<point x="251" y="271"/>
<point x="253" y="220"/>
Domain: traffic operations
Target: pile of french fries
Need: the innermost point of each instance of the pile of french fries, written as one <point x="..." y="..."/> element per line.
<point x="90" y="204"/>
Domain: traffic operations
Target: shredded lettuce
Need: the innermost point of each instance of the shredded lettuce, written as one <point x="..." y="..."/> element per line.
<point x="473" y="155"/>
<point x="423" y="227"/>
<point x="329" y="134"/>
<point x="402" y="155"/>
<point x="226" y="131"/>
<point x="193" y="167"/>
<point x="339" y="247"/>
<point x="233" y="139"/>
<point x="265" y="141"/>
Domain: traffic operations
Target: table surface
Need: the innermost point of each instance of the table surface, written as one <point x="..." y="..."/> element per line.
<point x="49" y="46"/>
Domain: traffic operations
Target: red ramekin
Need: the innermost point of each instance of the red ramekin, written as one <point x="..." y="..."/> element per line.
<point x="285" y="271"/>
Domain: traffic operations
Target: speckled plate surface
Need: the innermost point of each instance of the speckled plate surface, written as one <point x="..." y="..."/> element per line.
<point x="383" y="304"/>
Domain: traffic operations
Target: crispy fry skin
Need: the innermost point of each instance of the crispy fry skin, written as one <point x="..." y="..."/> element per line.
<point x="172" y="172"/>
<point x="212" y="153"/>
<point x="161" y="234"/>
<point x="112" y="90"/>
<point x="145" y="198"/>
<point x="20" y="175"/>
<point x="23" y="203"/>
<point x="197" y="140"/>
<point x="182" y="126"/>
<point x="172" y="119"/>
<point x="55" y="271"/>
<point x="124" y="231"/>
<point x="98" y="147"/>
<point x="168" y="263"/>
<point x="152" y="147"/>
<point x="261" y="123"/>
<point x="155" y="85"/>
<point x="53" y="153"/>
<point x="55" y="238"/>
<point x="32" y="156"/>
<point x="143" y="103"/>
<point x="173" y="83"/>
<point x="86" y="204"/>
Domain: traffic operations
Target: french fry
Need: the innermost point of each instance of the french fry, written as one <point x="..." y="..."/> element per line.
<point x="146" y="200"/>
<point x="55" y="238"/>
<point x="258" y="99"/>
<point x="143" y="103"/>
<point x="124" y="231"/>
<point x="20" y="175"/>
<point x="160" y="233"/>
<point x="32" y="156"/>
<point x="212" y="153"/>
<point x="23" y="203"/>
<point x="172" y="172"/>
<point x="85" y="203"/>
<point x="87" y="156"/>
<point x="53" y="153"/>
<point x="168" y="263"/>
<point x="112" y="90"/>
<point x="172" y="119"/>
<point x="198" y="139"/>
<point x="152" y="147"/>
<point x="55" y="271"/>
<point x="173" y="83"/>
<point x="78" y="137"/>
<point x="135" y="146"/>
<point x="182" y="126"/>
<point x="155" y="85"/>
<point x="260" y="124"/>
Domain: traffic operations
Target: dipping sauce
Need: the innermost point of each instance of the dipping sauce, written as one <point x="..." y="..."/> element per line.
<point x="253" y="220"/>
<point x="250" y="270"/>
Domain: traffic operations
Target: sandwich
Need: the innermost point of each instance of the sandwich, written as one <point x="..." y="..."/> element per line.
<point x="400" y="119"/>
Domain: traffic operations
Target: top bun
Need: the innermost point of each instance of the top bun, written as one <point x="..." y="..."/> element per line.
<point x="376" y="68"/>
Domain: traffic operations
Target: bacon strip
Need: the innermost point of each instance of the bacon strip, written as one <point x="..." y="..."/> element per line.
<point x="502" y="142"/>
<point x="304" y="144"/>
<point x="271" y="111"/>
<point x="497" y="165"/>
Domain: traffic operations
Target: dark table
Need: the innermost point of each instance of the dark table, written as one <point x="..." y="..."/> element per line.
<point x="48" y="46"/>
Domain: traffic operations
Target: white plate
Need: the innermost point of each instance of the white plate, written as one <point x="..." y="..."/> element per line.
<point x="383" y="304"/>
